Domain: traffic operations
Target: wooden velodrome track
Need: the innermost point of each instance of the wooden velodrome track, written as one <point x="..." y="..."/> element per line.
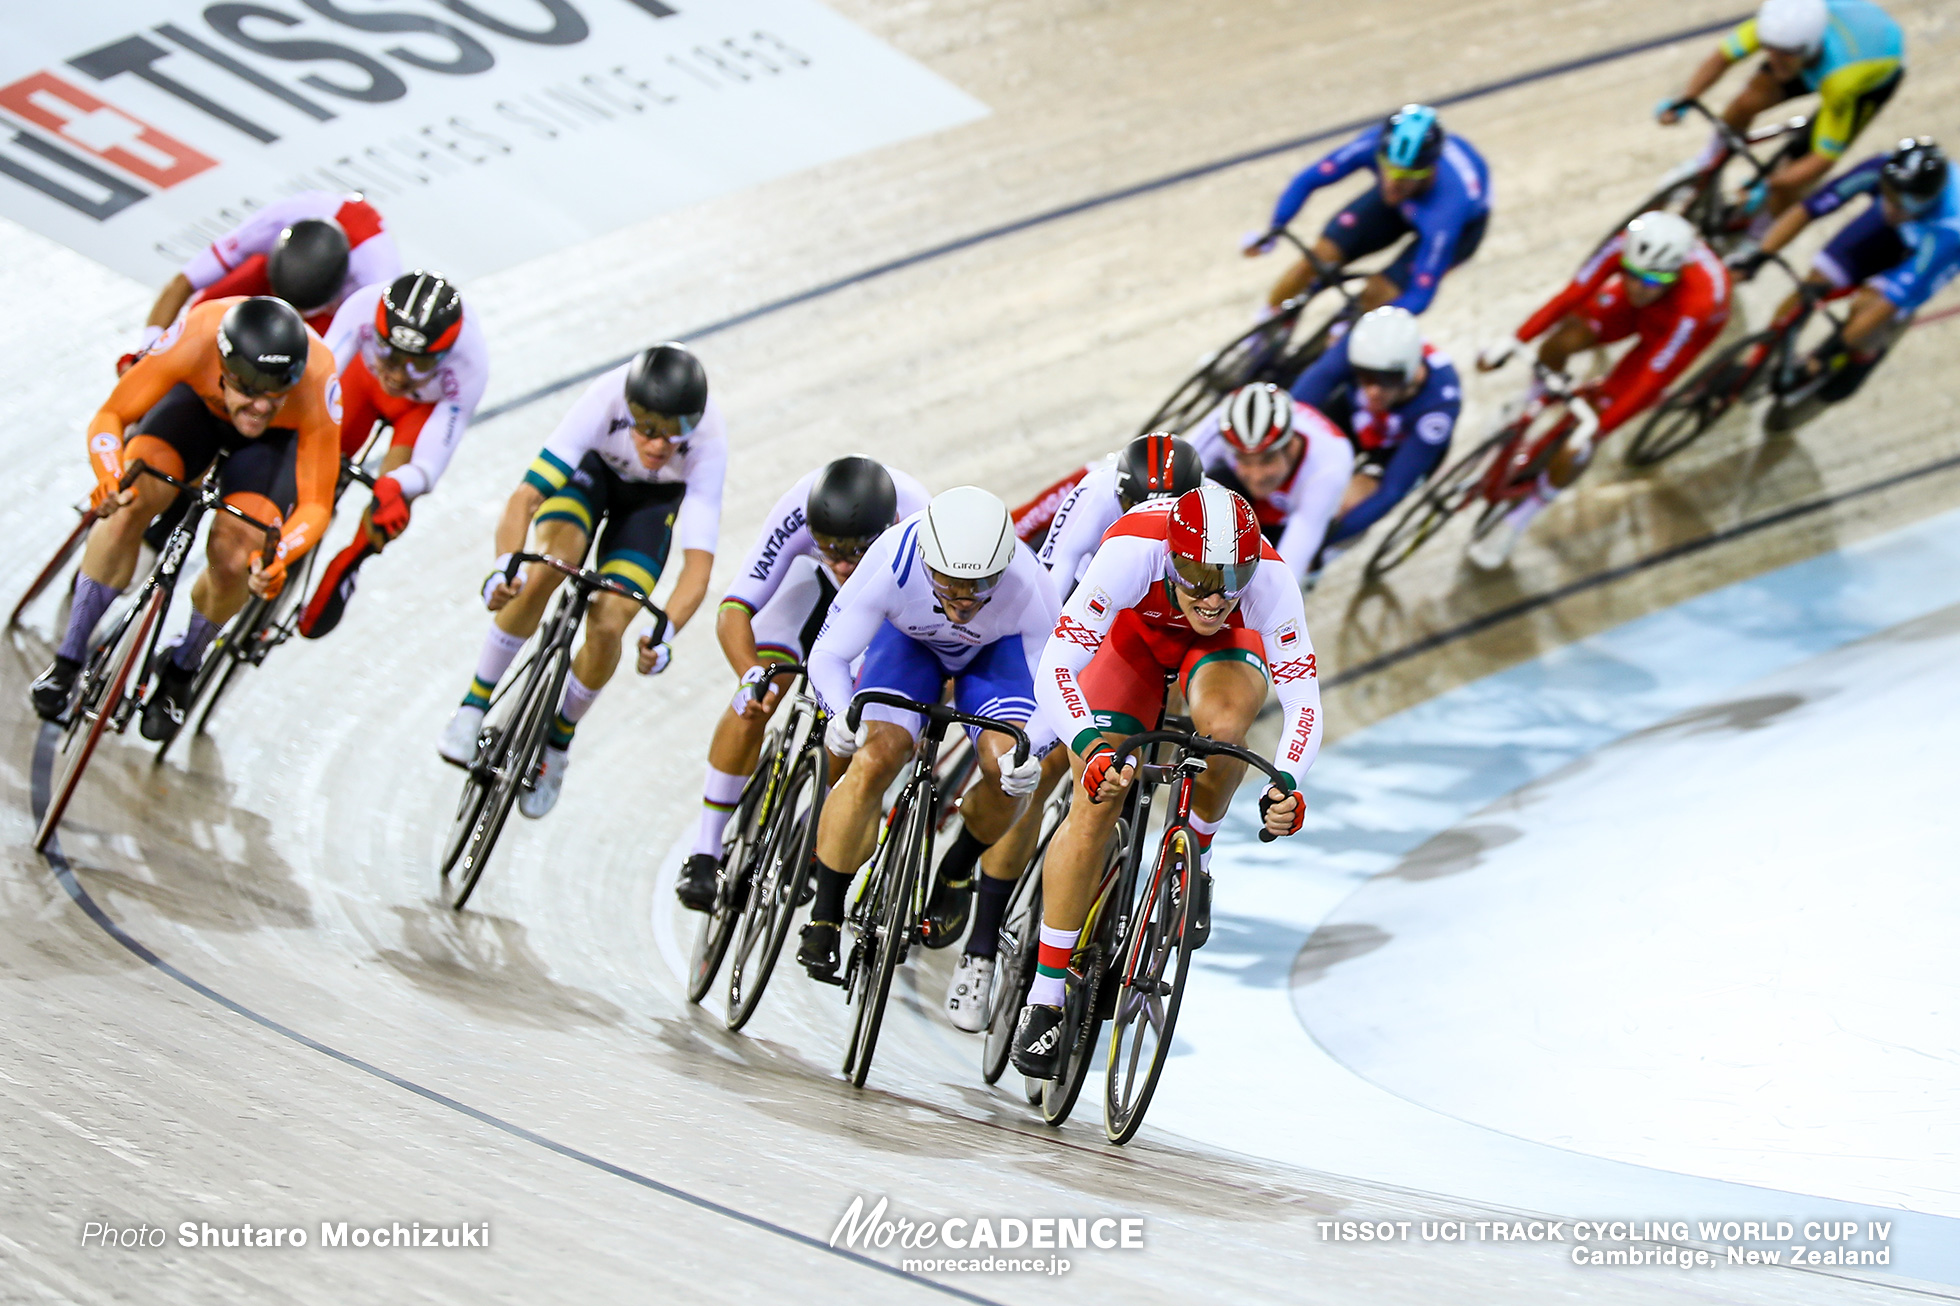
<point x="532" y="1062"/>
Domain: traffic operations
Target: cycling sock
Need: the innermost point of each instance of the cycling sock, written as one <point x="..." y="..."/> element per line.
<point x="828" y="906"/>
<point x="1051" y="967"/>
<point x="956" y="867"/>
<point x="1204" y="830"/>
<point x="720" y="792"/>
<point x="499" y="650"/>
<point x="572" y="706"/>
<point x="989" y="905"/>
<point x="1715" y="149"/>
<point x="92" y="599"/>
<point x="197" y="637"/>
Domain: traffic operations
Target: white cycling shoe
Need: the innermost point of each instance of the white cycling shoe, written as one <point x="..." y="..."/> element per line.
<point x="542" y="796"/>
<point x="458" y="743"/>
<point x="970" y="992"/>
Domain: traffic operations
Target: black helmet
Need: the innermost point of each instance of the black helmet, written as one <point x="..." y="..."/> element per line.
<point x="419" y="313"/>
<point x="669" y="381"/>
<point x="1915" y="172"/>
<point x="308" y="264"/>
<point x="1155" y="466"/>
<point x="263" y="345"/>
<point x="851" y="502"/>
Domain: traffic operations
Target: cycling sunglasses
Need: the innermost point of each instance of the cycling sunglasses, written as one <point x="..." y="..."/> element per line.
<point x="419" y="366"/>
<point x="1380" y="380"/>
<point x="1648" y="278"/>
<point x="843" y="548"/>
<point x="1911" y="205"/>
<point x="1392" y="173"/>
<point x="1203" y="579"/>
<point x="949" y="588"/>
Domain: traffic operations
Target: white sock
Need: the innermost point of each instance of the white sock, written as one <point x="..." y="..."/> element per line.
<point x="1206" y="829"/>
<point x="720" y="793"/>
<point x="499" y="650"/>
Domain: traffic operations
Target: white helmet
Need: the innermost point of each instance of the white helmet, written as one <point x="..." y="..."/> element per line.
<point x="1256" y="417"/>
<point x="1795" y="25"/>
<point x="1386" y="340"/>
<point x="967" y="534"/>
<point x="1658" y="244"/>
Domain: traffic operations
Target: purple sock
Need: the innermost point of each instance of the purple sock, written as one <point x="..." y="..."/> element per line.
<point x="92" y="599"/>
<point x="197" y="637"/>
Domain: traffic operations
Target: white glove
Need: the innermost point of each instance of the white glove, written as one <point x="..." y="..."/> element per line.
<point x="1494" y="355"/>
<point x="1019" y="781"/>
<point x="663" y="657"/>
<point x="745" y="695"/>
<point x="839" y="738"/>
<point x="495" y="578"/>
<point x="1258" y="242"/>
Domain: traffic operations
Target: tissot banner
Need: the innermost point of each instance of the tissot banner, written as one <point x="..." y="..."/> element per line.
<point x="486" y="131"/>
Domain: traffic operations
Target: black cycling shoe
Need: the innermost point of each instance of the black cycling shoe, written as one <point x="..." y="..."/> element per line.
<point x="163" y="712"/>
<point x="947" y="910"/>
<point x="696" y="889"/>
<point x="53" y="688"/>
<point x="1038" y="1042"/>
<point x="818" y="953"/>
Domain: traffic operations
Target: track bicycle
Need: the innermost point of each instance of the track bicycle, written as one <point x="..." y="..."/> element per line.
<point x="888" y="914"/>
<point x="1264" y="352"/>
<point x="1020" y="938"/>
<point x="510" y="748"/>
<point x="1696" y="193"/>
<point x="1772" y="362"/>
<point x="766" y="852"/>
<point x="1502" y="469"/>
<point x="62" y="557"/>
<point x="104" y="699"/>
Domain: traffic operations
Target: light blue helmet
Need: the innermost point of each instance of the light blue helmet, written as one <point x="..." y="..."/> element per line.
<point x="1412" y="139"/>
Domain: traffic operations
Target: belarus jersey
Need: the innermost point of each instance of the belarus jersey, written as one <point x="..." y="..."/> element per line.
<point x="1128" y="573"/>
<point x="890" y="587"/>
<point x="600" y="425"/>
<point x="371" y="253"/>
<point x="1295" y="516"/>
<point x="452" y="393"/>
<point x="786" y="537"/>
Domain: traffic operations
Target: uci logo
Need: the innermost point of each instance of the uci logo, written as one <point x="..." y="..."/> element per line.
<point x="405" y="337"/>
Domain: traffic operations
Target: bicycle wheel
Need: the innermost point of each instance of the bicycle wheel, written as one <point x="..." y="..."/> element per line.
<point x="1441" y="500"/>
<point x="514" y="756"/>
<point x="1083" y="1006"/>
<point x="1223" y="372"/>
<point x="773" y="898"/>
<point x="740" y="850"/>
<point x="69" y="547"/>
<point x="1682" y="417"/>
<point x="220" y="660"/>
<point x="881" y="942"/>
<point x="1150" y="986"/>
<point x="1286" y="370"/>
<point x="1020" y="933"/>
<point x="470" y="805"/>
<point x="105" y="685"/>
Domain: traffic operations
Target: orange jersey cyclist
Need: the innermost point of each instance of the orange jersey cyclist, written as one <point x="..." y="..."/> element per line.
<point x="644" y="450"/>
<point x="245" y="376"/>
<point x="1184" y="587"/>
<point x="410" y="357"/>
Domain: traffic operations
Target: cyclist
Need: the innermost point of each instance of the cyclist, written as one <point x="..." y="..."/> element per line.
<point x="643" y="448"/>
<point x="950" y="592"/>
<point x="810" y="543"/>
<point x="1289" y="461"/>
<point x="312" y="250"/>
<point x="242" y="375"/>
<point x="1657" y="282"/>
<point x="1891" y="258"/>
<point x="1184" y="587"/>
<point x="1148" y="467"/>
<point x="1850" y="52"/>
<point x="1428" y="182"/>
<point x="1397" y="398"/>
<point x="411" y="357"/>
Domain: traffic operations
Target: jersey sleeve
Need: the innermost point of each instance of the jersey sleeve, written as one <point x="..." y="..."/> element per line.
<point x="1273" y="608"/>
<point x="1323" y="480"/>
<point x="1436" y="236"/>
<point x="1932" y="264"/>
<point x="1090" y="509"/>
<point x="1847" y="186"/>
<point x="374" y="261"/>
<point x="1592" y="275"/>
<point x="857" y="612"/>
<point x="576" y="435"/>
<point x="1316" y="383"/>
<point x="466" y="374"/>
<point x="316" y="467"/>
<point x="699" y="526"/>
<point x="1326" y="172"/>
<point x="1118" y="577"/>
<point x="343" y="335"/>
<point x="185" y="349"/>
<point x="785" y="537"/>
<point x="1741" y="42"/>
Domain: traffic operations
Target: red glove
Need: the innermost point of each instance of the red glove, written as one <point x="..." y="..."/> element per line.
<point x="390" y="511"/>
<point x="1101" y="759"/>
<point x="126" y="362"/>
<point x="1267" y="802"/>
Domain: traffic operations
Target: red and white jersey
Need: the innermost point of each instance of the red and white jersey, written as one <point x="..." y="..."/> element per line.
<point x="453" y="391"/>
<point x="371" y="253"/>
<point x="1128" y="573"/>
<point x="1297" y="514"/>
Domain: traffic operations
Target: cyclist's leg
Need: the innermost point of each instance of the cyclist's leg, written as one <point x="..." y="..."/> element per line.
<point x="1224" y="680"/>
<point x="1392" y="280"/>
<point x="1367" y="224"/>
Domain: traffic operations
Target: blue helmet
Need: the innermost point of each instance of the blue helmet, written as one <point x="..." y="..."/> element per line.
<point x="1411" y="139"/>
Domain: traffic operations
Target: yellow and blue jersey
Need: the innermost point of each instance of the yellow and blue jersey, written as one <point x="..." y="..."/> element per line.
<point x="1863" y="47"/>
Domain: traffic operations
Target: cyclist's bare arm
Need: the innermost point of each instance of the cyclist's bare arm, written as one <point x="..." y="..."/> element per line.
<point x="690" y="588"/>
<point x="171" y="299"/>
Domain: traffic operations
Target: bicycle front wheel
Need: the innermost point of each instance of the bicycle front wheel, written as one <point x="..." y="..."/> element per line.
<point x="1084" y="1001"/>
<point x="1150" y="986"/>
<point x="513" y="755"/>
<point x="1684" y="416"/>
<point x="882" y="939"/>
<point x="101" y="698"/>
<point x="1441" y="500"/>
<point x="772" y="898"/>
<point x="1231" y="367"/>
<point x="1020" y="937"/>
<point x="740" y="852"/>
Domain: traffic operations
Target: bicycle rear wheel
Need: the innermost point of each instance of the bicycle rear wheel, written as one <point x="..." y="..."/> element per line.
<point x="1441" y="500"/>
<point x="1684" y="416"/>
<point x="773" y="897"/>
<point x="1228" y="369"/>
<point x="881" y="939"/>
<point x="1020" y="935"/>
<point x="1150" y="987"/>
<point x="69" y="547"/>
<point x="102" y="695"/>
<point x="515" y="754"/>
<point x="741" y="850"/>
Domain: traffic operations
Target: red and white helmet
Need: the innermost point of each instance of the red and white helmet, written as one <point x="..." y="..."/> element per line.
<point x="1214" y="542"/>
<point x="1256" y="417"/>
